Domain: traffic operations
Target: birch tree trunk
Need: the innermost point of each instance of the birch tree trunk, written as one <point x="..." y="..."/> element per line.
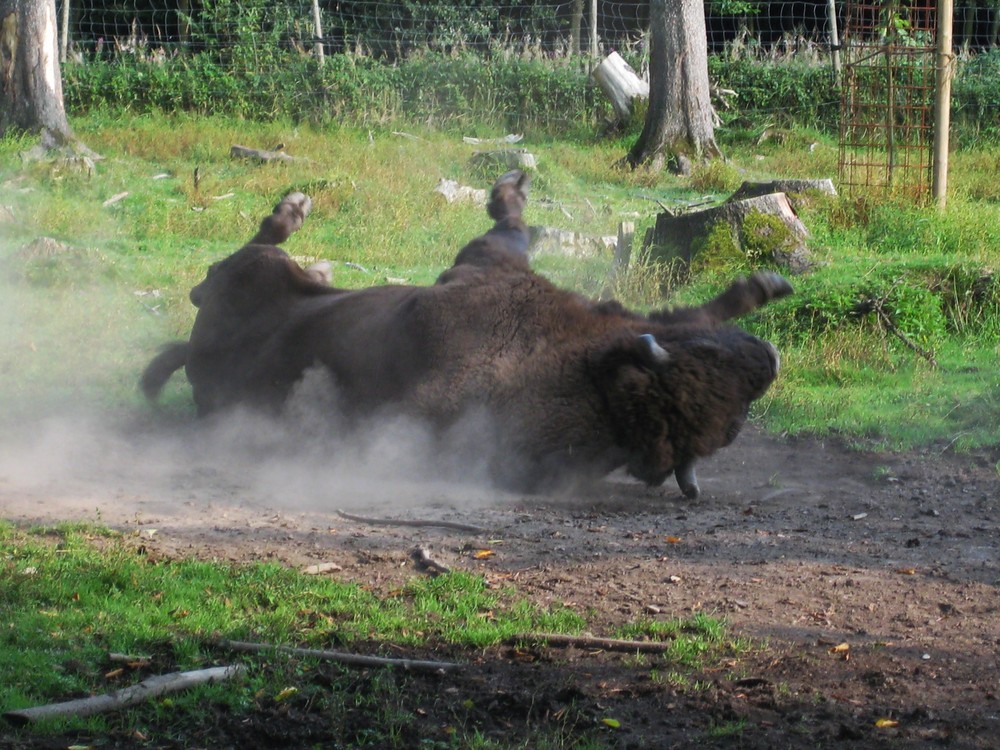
<point x="31" y="95"/>
<point x="678" y="128"/>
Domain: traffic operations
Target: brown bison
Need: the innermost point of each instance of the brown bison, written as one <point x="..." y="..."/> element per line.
<point x="572" y="388"/>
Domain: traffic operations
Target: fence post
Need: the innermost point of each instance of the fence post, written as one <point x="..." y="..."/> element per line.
<point x="593" y="29"/>
<point x="575" y="24"/>
<point x="834" y="40"/>
<point x="318" y="24"/>
<point x="64" y="24"/>
<point x="942" y="102"/>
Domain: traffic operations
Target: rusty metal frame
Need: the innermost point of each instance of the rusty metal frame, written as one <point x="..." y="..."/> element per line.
<point x="887" y="98"/>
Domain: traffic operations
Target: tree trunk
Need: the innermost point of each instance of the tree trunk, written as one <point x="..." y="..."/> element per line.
<point x="678" y="124"/>
<point x="31" y="96"/>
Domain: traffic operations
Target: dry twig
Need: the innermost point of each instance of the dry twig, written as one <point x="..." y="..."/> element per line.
<point x="356" y="660"/>
<point x="409" y="522"/>
<point x="592" y="642"/>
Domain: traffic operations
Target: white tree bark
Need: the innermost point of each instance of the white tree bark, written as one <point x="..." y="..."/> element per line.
<point x="620" y="83"/>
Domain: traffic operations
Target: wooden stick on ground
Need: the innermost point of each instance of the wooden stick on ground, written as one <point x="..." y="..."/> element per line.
<point x="148" y="688"/>
<point x="356" y="660"/>
<point x="409" y="522"/>
<point x="587" y="641"/>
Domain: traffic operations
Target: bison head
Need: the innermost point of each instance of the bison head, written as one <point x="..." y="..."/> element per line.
<point x="675" y="397"/>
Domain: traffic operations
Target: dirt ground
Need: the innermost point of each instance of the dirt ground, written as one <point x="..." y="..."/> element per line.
<point x="802" y="545"/>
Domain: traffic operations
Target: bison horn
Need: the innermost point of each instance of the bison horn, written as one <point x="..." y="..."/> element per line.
<point x="687" y="480"/>
<point x="651" y="347"/>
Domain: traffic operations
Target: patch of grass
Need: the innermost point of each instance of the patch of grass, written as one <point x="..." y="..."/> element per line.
<point x="692" y="642"/>
<point x="727" y="730"/>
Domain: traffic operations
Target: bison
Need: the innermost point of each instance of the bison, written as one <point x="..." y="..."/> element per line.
<point x="572" y="388"/>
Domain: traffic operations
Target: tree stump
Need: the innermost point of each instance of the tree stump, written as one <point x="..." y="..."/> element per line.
<point x="764" y="228"/>
<point x="620" y="84"/>
<point x="503" y="160"/>
<point x="791" y="188"/>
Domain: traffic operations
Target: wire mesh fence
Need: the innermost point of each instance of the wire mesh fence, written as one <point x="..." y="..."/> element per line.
<point x="887" y="96"/>
<point x="253" y="38"/>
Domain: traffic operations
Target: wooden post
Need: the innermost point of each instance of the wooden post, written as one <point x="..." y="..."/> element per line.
<point x="942" y="102"/>
<point x="64" y="37"/>
<point x="575" y="26"/>
<point x="593" y="29"/>
<point x="318" y="24"/>
<point x="623" y="249"/>
<point x="834" y="40"/>
<point x="623" y="256"/>
<point x="183" y="25"/>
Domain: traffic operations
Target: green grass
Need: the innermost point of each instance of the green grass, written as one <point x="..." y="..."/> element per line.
<point x="72" y="594"/>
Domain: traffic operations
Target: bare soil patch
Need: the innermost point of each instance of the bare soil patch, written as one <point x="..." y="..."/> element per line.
<point x="802" y="545"/>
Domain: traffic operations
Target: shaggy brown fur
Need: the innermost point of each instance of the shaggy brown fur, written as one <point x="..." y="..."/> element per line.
<point x="572" y="388"/>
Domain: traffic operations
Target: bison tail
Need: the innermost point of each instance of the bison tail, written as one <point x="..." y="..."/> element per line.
<point x="172" y="358"/>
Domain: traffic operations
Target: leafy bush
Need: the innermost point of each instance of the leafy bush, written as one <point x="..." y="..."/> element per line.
<point x="782" y="93"/>
<point x="976" y="98"/>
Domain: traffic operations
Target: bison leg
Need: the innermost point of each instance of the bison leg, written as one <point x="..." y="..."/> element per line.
<point x="743" y="296"/>
<point x="746" y="295"/>
<point x="687" y="480"/>
<point x="286" y="219"/>
<point x="173" y="357"/>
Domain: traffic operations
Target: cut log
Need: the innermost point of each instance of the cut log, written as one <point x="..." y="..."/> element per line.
<point x="681" y="237"/>
<point x="756" y="189"/>
<point x="620" y="84"/>
<point x="554" y="241"/>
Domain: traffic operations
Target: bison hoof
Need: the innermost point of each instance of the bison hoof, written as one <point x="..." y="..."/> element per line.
<point x="774" y="285"/>
<point x="300" y="202"/>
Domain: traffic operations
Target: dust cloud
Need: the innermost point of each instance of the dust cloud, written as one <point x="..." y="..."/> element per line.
<point x="77" y="442"/>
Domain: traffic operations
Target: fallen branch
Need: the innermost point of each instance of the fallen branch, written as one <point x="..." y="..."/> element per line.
<point x="587" y="641"/>
<point x="876" y="305"/>
<point x="115" y="658"/>
<point x="145" y="690"/>
<point x="408" y="522"/>
<point x="355" y="660"/>
<point x="884" y="317"/>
